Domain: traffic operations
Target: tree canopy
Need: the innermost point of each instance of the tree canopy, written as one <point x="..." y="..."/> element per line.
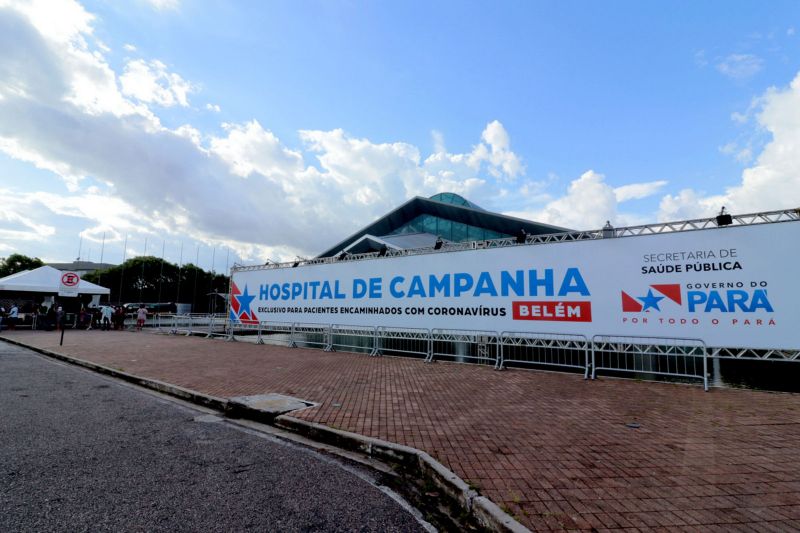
<point x="150" y="279"/>
<point x="17" y="263"/>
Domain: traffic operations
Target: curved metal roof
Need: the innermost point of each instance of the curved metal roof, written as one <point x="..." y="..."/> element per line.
<point x="471" y="215"/>
<point x="455" y="199"/>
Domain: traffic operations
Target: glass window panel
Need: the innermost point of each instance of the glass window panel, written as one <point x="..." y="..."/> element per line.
<point x="444" y="229"/>
<point x="474" y="233"/>
<point x="429" y="224"/>
<point x="460" y="232"/>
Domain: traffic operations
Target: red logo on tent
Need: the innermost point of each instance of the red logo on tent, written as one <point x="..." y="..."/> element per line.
<point x="70" y="279"/>
<point x="639" y="304"/>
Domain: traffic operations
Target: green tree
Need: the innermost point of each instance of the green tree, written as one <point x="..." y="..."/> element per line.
<point x="17" y="263"/>
<point x="149" y="279"/>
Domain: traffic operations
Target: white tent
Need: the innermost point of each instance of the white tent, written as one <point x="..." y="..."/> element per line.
<point x="45" y="279"/>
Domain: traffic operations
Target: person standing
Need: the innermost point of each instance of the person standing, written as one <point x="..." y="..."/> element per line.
<point x="50" y="318"/>
<point x="141" y="316"/>
<point x="13" y="314"/>
<point x="106" y="314"/>
<point x="60" y="316"/>
<point x="119" y="318"/>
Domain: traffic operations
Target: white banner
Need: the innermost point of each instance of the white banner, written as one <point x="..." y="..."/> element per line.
<point x="731" y="286"/>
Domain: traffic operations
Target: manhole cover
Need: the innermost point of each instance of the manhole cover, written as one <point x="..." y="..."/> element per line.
<point x="271" y="403"/>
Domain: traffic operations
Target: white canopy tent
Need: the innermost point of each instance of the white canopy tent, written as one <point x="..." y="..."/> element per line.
<point x="47" y="280"/>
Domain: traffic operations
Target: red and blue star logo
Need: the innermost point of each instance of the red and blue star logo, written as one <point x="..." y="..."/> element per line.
<point x="240" y="305"/>
<point x="652" y="299"/>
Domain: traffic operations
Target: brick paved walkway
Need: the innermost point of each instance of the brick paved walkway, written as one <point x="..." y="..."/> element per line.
<point x="552" y="449"/>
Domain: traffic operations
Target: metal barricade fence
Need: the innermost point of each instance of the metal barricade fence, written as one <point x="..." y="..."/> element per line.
<point x="550" y="349"/>
<point x="276" y="333"/>
<point x="305" y="335"/>
<point x="463" y="345"/>
<point x="164" y="321"/>
<point x="673" y="357"/>
<point x="403" y="341"/>
<point x="190" y="324"/>
<point x="662" y="356"/>
<point x="357" y="339"/>
<point x="217" y="325"/>
<point x="201" y="323"/>
<point x="240" y="331"/>
<point x="182" y="324"/>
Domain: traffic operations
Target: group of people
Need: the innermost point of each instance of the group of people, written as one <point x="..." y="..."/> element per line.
<point x="105" y="318"/>
<point x="9" y="318"/>
<point x="109" y="317"/>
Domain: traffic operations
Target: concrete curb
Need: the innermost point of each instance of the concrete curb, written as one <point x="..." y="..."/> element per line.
<point x="413" y="462"/>
<point x="418" y="463"/>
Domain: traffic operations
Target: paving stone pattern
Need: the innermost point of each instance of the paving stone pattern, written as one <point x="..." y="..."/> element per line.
<point x="550" y="448"/>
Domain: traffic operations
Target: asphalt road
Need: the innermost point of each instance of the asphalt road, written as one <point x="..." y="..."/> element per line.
<point x="80" y="452"/>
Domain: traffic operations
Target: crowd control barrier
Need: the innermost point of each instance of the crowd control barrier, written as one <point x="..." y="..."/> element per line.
<point x="680" y="358"/>
<point x="547" y="349"/>
<point x="213" y="325"/>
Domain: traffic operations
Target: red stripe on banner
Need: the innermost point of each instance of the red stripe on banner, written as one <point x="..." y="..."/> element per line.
<point x="671" y="291"/>
<point x="629" y="305"/>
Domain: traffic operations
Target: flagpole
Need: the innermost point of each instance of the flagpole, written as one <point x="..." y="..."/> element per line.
<point x="180" y="269"/>
<point x="122" y="272"/>
<point x="141" y="282"/>
<point x="100" y="274"/>
<point x="194" y="287"/>
<point x="161" y="273"/>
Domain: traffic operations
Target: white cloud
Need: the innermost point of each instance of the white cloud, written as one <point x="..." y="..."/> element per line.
<point x="688" y="204"/>
<point x="438" y="141"/>
<point x="64" y="21"/>
<point x="589" y="202"/>
<point x="249" y="148"/>
<point x="164" y="5"/>
<point x="741" y="154"/>
<point x="245" y="188"/>
<point x="503" y="162"/>
<point x="637" y="191"/>
<point x="461" y="173"/>
<point x="14" y="149"/>
<point x="17" y="222"/>
<point x="129" y="47"/>
<point x="740" y="66"/>
<point x="150" y="82"/>
<point x="772" y="182"/>
<point x="213" y="107"/>
<point x="700" y="58"/>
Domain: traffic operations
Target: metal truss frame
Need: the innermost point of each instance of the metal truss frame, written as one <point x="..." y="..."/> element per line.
<point x="767" y="217"/>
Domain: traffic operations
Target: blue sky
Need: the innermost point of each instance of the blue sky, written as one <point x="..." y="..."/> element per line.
<point x="254" y="130"/>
